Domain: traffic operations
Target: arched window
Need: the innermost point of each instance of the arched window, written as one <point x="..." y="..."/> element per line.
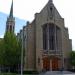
<point x="51" y="12"/>
<point x="45" y="37"/>
<point x="10" y="28"/>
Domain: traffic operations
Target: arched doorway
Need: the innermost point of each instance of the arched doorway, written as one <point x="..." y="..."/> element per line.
<point x="50" y="63"/>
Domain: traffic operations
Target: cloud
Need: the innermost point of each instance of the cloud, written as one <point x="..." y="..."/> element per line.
<point x="25" y="9"/>
<point x="1" y="36"/>
<point x="19" y="23"/>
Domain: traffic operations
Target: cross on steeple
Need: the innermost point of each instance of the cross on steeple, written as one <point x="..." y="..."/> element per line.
<point x="11" y="10"/>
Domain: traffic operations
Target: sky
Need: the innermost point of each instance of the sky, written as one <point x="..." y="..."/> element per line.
<point x="19" y="23"/>
<point x="26" y="9"/>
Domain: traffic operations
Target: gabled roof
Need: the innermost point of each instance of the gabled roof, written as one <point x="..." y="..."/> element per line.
<point x="50" y="10"/>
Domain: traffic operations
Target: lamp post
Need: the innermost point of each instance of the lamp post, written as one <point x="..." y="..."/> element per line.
<point x="22" y="55"/>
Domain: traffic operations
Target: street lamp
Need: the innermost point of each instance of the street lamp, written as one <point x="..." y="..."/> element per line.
<point x="22" y="41"/>
<point x="22" y="55"/>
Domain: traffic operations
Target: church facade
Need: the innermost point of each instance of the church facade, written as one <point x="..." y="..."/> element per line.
<point x="46" y="41"/>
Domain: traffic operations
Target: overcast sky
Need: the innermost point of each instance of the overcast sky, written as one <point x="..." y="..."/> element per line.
<point x="25" y="9"/>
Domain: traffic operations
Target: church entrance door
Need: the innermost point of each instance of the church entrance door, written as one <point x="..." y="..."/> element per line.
<point x="50" y="64"/>
<point x="46" y="63"/>
<point x="55" y="64"/>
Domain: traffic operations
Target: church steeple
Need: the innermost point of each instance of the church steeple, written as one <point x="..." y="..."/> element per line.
<point x="11" y="11"/>
<point x="10" y="24"/>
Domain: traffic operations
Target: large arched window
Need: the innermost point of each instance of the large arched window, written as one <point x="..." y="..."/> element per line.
<point x="51" y="37"/>
<point x="45" y="37"/>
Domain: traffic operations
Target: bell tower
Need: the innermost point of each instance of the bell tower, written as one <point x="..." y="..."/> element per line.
<point x="10" y="24"/>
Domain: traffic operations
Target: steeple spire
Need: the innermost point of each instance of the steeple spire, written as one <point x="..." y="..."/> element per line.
<point x="10" y="24"/>
<point x="11" y="10"/>
<point x="51" y="1"/>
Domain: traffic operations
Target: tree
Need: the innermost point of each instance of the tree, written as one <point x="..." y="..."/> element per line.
<point x="72" y="58"/>
<point x="1" y="51"/>
<point x="10" y="51"/>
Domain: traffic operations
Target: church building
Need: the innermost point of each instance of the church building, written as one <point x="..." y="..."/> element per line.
<point x="45" y="40"/>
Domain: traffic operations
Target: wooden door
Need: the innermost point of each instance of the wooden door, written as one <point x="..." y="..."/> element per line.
<point x="54" y="64"/>
<point x="46" y="63"/>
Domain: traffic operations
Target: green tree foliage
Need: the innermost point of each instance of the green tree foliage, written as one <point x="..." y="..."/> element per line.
<point x="72" y="58"/>
<point x="1" y="51"/>
<point x="10" y="50"/>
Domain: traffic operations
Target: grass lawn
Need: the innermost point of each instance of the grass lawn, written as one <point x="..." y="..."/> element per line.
<point x="8" y="74"/>
<point x="13" y="74"/>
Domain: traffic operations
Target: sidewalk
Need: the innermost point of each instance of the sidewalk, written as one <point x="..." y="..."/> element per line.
<point x="57" y="73"/>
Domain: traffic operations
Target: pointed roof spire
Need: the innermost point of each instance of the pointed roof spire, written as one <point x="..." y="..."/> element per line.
<point x="11" y="10"/>
<point x="51" y="1"/>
